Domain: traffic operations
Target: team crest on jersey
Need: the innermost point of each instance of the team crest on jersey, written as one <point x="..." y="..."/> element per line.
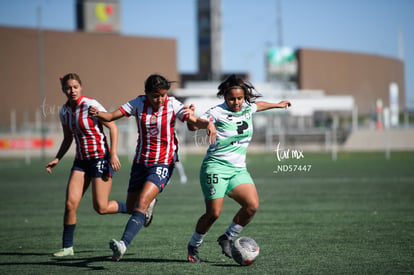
<point x="247" y="114"/>
<point x="153" y="119"/>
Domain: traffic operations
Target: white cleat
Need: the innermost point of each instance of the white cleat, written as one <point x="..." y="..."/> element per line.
<point x="68" y="251"/>
<point x="118" y="249"/>
<point x="149" y="212"/>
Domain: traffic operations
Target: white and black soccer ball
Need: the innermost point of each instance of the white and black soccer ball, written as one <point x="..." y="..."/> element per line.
<point x="245" y="251"/>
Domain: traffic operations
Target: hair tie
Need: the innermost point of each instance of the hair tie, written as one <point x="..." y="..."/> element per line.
<point x="60" y="78"/>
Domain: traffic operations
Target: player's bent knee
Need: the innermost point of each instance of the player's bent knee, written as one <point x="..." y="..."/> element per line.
<point x="213" y="216"/>
<point x="252" y="208"/>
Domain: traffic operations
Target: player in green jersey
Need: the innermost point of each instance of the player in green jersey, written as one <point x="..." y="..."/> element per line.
<point x="223" y="171"/>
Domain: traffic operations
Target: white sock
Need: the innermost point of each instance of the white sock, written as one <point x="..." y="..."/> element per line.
<point x="233" y="230"/>
<point x="197" y="239"/>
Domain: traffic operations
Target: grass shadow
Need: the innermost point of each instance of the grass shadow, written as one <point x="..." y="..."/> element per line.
<point x="77" y="261"/>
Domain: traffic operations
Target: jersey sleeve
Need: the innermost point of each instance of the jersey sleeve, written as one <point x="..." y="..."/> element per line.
<point x="178" y="107"/>
<point x="129" y="108"/>
<point x="209" y="115"/>
<point x="98" y="105"/>
<point x="253" y="107"/>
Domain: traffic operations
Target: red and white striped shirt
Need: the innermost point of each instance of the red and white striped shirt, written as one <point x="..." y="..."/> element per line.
<point x="157" y="143"/>
<point x="88" y="131"/>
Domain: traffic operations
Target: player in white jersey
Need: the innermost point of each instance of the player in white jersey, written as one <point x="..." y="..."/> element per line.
<point x="156" y="150"/>
<point x="94" y="161"/>
<point x="223" y="171"/>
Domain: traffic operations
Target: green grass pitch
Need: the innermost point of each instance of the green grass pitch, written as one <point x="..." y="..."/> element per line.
<point x="354" y="215"/>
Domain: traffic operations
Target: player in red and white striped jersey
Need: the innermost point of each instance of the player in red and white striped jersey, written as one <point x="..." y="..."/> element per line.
<point x="94" y="161"/>
<point x="156" y="149"/>
<point x="157" y="143"/>
<point x="88" y="132"/>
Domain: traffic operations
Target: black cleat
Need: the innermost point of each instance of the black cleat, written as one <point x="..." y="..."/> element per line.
<point x="192" y="256"/>
<point x="226" y="245"/>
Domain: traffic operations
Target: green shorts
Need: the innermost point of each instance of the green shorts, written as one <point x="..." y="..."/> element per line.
<point x="218" y="180"/>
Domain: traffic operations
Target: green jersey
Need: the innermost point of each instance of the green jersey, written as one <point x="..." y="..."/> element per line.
<point x="234" y="132"/>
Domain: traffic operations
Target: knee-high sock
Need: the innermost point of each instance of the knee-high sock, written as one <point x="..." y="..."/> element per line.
<point x="67" y="236"/>
<point x="133" y="226"/>
<point x="197" y="239"/>
<point x="121" y="207"/>
<point x="233" y="230"/>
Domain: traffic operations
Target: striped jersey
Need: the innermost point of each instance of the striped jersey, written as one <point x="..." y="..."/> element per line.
<point x="234" y="132"/>
<point x="157" y="143"/>
<point x="91" y="142"/>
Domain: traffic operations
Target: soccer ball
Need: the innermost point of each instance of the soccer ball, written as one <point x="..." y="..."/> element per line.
<point x="245" y="251"/>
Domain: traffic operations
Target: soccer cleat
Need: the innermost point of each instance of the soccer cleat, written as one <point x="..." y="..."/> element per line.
<point x="68" y="251"/>
<point x="149" y="213"/>
<point x="192" y="255"/>
<point x="118" y="249"/>
<point x="226" y="245"/>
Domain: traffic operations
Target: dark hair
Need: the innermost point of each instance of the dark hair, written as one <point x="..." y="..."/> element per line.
<point x="233" y="81"/>
<point x="68" y="76"/>
<point x="156" y="82"/>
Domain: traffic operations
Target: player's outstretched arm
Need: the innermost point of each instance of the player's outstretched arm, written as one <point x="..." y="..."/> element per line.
<point x="195" y="123"/>
<point x="113" y="134"/>
<point x="263" y="105"/>
<point x="105" y="116"/>
<point x="190" y="125"/>
<point x="64" y="147"/>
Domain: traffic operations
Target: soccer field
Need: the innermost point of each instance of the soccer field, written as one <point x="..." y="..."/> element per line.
<point x="354" y="215"/>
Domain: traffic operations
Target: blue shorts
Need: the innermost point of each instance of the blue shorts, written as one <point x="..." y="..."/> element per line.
<point x="158" y="174"/>
<point x="95" y="168"/>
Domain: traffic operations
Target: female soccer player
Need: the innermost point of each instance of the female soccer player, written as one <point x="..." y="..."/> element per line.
<point x="156" y="150"/>
<point x="94" y="160"/>
<point x="223" y="171"/>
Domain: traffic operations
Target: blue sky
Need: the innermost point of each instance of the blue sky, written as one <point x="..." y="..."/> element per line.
<point x="249" y="26"/>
